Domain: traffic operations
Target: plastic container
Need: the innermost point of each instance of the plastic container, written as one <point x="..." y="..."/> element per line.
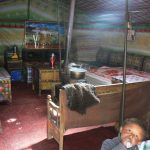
<point x="16" y="75"/>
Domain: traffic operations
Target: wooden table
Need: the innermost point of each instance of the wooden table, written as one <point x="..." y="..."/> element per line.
<point x="43" y="78"/>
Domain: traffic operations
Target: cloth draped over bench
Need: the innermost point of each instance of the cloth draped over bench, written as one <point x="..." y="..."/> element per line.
<point x="61" y="118"/>
<point x="80" y="96"/>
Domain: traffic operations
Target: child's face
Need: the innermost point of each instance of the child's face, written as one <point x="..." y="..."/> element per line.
<point x="133" y="133"/>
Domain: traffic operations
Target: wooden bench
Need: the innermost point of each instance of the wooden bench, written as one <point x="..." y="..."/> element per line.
<point x="61" y="118"/>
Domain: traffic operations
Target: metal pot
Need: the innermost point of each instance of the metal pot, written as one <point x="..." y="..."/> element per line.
<point x="77" y="73"/>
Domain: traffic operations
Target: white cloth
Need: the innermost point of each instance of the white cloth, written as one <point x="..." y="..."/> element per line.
<point x="145" y="145"/>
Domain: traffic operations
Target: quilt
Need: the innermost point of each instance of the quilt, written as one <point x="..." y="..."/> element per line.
<point x="106" y="75"/>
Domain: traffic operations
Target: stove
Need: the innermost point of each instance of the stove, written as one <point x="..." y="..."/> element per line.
<point x="78" y="81"/>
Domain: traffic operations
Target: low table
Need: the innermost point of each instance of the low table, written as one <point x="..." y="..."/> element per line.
<point x="43" y="78"/>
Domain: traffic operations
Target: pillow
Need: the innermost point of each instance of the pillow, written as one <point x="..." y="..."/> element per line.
<point x="116" y="59"/>
<point x="146" y="64"/>
<point x="102" y="57"/>
<point x="134" y="61"/>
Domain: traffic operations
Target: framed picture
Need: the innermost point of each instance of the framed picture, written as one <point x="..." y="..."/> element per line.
<point x="43" y="35"/>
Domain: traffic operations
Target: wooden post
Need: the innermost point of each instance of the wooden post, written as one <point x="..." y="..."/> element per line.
<point x="122" y="103"/>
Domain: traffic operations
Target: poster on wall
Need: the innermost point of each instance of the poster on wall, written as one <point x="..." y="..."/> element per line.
<point x="43" y="35"/>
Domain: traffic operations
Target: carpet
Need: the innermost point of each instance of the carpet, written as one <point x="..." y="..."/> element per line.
<point x="24" y="124"/>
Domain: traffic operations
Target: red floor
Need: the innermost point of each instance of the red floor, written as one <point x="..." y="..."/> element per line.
<point x="24" y="125"/>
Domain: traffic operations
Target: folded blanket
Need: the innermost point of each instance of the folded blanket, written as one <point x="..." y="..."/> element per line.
<point x="80" y="96"/>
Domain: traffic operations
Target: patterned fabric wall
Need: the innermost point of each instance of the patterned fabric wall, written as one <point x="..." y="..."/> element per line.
<point x="91" y="32"/>
<point x="20" y="10"/>
<point x="14" y="13"/>
<point x="101" y="23"/>
<point x="86" y="43"/>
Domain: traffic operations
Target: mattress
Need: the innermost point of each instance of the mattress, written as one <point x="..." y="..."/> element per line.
<point x="130" y="78"/>
<point x="96" y="79"/>
<point x="106" y="75"/>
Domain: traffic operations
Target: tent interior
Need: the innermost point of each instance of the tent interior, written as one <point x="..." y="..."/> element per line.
<point x="108" y="38"/>
<point x="97" y="24"/>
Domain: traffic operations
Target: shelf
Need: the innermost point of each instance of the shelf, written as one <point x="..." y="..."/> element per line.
<point x="14" y="65"/>
<point x="42" y="55"/>
<point x="14" y="60"/>
<point x="43" y="47"/>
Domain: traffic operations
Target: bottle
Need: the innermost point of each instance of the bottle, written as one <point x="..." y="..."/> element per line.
<point x="52" y="60"/>
<point x="15" y="56"/>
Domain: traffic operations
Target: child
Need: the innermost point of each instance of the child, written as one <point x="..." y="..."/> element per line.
<point x="132" y="133"/>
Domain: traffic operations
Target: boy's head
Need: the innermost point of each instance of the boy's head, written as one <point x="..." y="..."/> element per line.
<point x="133" y="132"/>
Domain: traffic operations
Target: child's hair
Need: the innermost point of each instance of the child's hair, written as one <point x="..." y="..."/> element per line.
<point x="140" y="123"/>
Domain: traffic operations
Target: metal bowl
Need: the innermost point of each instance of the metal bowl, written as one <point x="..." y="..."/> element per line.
<point x="77" y="73"/>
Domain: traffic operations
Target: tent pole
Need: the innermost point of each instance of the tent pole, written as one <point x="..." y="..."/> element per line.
<point x="122" y="104"/>
<point x="58" y="22"/>
<point x="28" y="10"/>
<point x="69" y="34"/>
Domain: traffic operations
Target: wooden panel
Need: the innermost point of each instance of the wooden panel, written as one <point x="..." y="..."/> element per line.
<point x="54" y="131"/>
<point x="45" y="85"/>
<point x="49" y="75"/>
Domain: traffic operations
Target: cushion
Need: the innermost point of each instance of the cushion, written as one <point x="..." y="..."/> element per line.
<point x="134" y="61"/>
<point x="102" y="57"/>
<point x="116" y="59"/>
<point x="146" y="64"/>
